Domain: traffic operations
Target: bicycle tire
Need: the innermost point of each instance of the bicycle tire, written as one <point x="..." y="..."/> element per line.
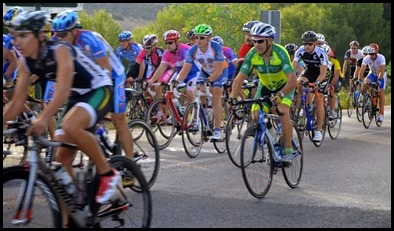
<point x="164" y="132"/>
<point x="350" y="103"/>
<point x="147" y="145"/>
<point x="235" y="130"/>
<point x="140" y="211"/>
<point x="293" y="173"/>
<point x="258" y="163"/>
<point x="44" y="198"/>
<point x="367" y="111"/>
<point x="192" y="140"/>
<point x="334" y="125"/>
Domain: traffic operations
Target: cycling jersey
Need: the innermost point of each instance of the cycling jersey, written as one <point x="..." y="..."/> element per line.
<point x="176" y="60"/>
<point x="245" y="48"/>
<point x="312" y="61"/>
<point x="230" y="57"/>
<point x="272" y="74"/>
<point x="88" y="75"/>
<point x="130" y="54"/>
<point x="374" y="64"/>
<point x="359" y="62"/>
<point x="8" y="44"/>
<point x="206" y="61"/>
<point x="152" y="61"/>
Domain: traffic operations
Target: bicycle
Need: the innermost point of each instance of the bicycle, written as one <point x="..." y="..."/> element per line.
<point x="165" y="117"/>
<point x="333" y="124"/>
<point x="352" y="100"/>
<point x="237" y="123"/>
<point x="145" y="145"/>
<point x="370" y="105"/>
<point x="261" y="153"/>
<point x="199" y="124"/>
<point x="35" y="183"/>
<point x="305" y="114"/>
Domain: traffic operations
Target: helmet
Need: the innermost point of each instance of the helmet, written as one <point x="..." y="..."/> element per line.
<point x="371" y="50"/>
<point x="248" y="25"/>
<point x="66" y="20"/>
<point x="320" y="37"/>
<point x="375" y="46"/>
<point x="327" y="49"/>
<point x="263" y="30"/>
<point x="190" y="34"/>
<point x="203" y="29"/>
<point x="149" y="40"/>
<point x="218" y="39"/>
<point x="365" y="49"/>
<point x="291" y="48"/>
<point x="309" y="36"/>
<point x="354" y="44"/>
<point x="171" y="35"/>
<point x="11" y="13"/>
<point x="125" y="35"/>
<point x="34" y="21"/>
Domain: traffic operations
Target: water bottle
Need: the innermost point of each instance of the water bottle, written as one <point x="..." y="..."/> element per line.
<point x="80" y="196"/>
<point x="175" y="101"/>
<point x="311" y="108"/>
<point x="302" y="118"/>
<point x="356" y="95"/>
<point x="102" y="132"/>
<point x="63" y="177"/>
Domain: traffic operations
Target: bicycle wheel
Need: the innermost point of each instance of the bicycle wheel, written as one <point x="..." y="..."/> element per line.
<point x="300" y="117"/>
<point x="323" y="132"/>
<point x="293" y="173"/>
<point x="220" y="145"/>
<point x="367" y="111"/>
<point x="139" y="212"/>
<point x="137" y="107"/>
<point x="257" y="162"/>
<point x="334" y="125"/>
<point x="350" y="102"/>
<point x="235" y="129"/>
<point x="163" y="130"/>
<point x="45" y="210"/>
<point x="192" y="135"/>
<point x="146" y="144"/>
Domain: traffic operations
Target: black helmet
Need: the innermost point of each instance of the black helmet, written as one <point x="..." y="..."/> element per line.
<point x="309" y="36"/>
<point x="248" y="25"/>
<point x="291" y="48"/>
<point x="34" y="21"/>
<point x="190" y="34"/>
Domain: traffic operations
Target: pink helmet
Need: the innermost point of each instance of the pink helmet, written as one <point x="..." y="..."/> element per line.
<point x="375" y="46"/>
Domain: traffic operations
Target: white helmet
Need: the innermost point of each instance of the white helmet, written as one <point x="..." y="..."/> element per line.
<point x="320" y="37"/>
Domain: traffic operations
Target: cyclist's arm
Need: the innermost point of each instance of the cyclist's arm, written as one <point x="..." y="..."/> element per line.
<point x="382" y="69"/>
<point x="362" y="69"/>
<point x="11" y="57"/>
<point x="345" y="62"/>
<point x="16" y="104"/>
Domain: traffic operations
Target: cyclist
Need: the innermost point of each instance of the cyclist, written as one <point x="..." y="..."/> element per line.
<point x="209" y="58"/>
<point x="231" y="58"/>
<point x="173" y="58"/>
<point x="350" y="59"/>
<point x="377" y="73"/>
<point x="333" y="72"/>
<point x="191" y="37"/>
<point x="85" y="85"/>
<point x="9" y="55"/>
<point x="291" y="49"/>
<point x="128" y="51"/>
<point x="67" y="28"/>
<point x="357" y="71"/>
<point x="276" y="76"/>
<point x="245" y="47"/>
<point x="316" y="62"/>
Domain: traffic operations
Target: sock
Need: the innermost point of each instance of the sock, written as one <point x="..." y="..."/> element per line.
<point x="288" y="150"/>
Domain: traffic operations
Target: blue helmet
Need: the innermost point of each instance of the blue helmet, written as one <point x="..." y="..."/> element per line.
<point x="217" y="39"/>
<point x="65" y="20"/>
<point x="11" y="13"/>
<point x="125" y="35"/>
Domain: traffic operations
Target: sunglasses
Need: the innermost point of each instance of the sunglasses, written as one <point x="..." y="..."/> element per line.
<point x="62" y="34"/>
<point x="201" y="37"/>
<point x="307" y="44"/>
<point x="168" y="43"/>
<point x="320" y="44"/>
<point x="147" y="48"/>
<point x="260" y="41"/>
<point x="372" y="54"/>
<point x="354" y="48"/>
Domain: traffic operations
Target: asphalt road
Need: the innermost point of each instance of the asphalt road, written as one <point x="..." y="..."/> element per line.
<point x="346" y="183"/>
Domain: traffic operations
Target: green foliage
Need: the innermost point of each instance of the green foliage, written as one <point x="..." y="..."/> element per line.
<point x="103" y="23"/>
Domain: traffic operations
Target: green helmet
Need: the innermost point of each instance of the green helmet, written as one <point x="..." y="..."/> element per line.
<point x="203" y="29"/>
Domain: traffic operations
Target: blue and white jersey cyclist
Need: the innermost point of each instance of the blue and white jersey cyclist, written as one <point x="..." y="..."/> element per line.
<point x="128" y="50"/>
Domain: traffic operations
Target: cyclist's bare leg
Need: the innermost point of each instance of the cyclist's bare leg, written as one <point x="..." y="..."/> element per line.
<point x="286" y="125"/>
<point x="124" y="134"/>
<point x="381" y="101"/>
<point x="319" y="111"/>
<point x="217" y="105"/>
